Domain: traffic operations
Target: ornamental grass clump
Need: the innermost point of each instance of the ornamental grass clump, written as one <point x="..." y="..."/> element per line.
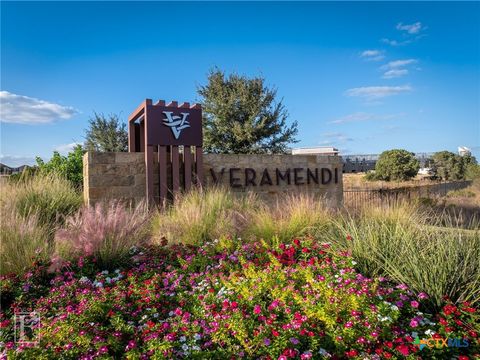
<point x="107" y="232"/>
<point x="22" y="242"/>
<point x="291" y="216"/>
<point x="409" y="245"/>
<point x="199" y="216"/>
<point x="50" y="196"/>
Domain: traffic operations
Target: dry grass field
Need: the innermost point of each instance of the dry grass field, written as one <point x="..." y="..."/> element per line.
<point x="358" y="181"/>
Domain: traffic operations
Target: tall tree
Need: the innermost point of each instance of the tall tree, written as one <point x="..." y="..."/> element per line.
<point x="241" y="115"/>
<point x="396" y="164"/>
<point x="450" y="166"/>
<point x="106" y="134"/>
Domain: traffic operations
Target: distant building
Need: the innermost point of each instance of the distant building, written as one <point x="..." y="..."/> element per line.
<point x="426" y="171"/>
<point x="319" y="150"/>
<point x="7" y="170"/>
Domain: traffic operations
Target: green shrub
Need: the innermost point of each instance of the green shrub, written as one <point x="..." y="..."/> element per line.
<point x="69" y="167"/>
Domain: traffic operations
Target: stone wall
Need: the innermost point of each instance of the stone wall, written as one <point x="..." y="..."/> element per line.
<point x="122" y="175"/>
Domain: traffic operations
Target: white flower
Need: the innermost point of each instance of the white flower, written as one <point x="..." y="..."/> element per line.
<point x="354" y="263"/>
<point x="414" y="334"/>
<point x="324" y="353"/>
<point x="197" y="336"/>
<point x="84" y="279"/>
<point x="429" y="332"/>
<point x="394" y="307"/>
<point x="196" y="347"/>
<point x="184" y="347"/>
<point x="104" y="272"/>
<point x="183" y="338"/>
<point x="171" y="313"/>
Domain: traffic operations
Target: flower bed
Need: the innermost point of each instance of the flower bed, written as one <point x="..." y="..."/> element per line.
<point x="231" y="300"/>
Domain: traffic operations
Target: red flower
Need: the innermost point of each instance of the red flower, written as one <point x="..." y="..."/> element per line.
<point x="150" y="324"/>
<point x="296" y="242"/>
<point x="349" y="237"/>
<point x="443" y="321"/>
<point x="463" y="357"/>
<point x="257" y="309"/>
<point x="351" y="353"/>
<point x="403" y="349"/>
<point x="449" y="309"/>
<point x="275" y="332"/>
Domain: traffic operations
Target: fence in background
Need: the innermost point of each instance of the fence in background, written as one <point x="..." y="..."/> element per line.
<point x="354" y="198"/>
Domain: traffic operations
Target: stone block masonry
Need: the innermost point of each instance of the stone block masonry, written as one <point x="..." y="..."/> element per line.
<point x="122" y="175"/>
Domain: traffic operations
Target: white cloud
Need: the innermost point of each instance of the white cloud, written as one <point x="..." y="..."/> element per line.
<point x="372" y="55"/>
<point x="361" y="116"/>
<point x="17" y="160"/>
<point x="395" y="73"/>
<point x="395" y="68"/>
<point x="399" y="63"/>
<point x="377" y="92"/>
<point x="334" y="138"/>
<point x="19" y="109"/>
<point x="395" y="42"/>
<point x="66" y="148"/>
<point x="414" y="28"/>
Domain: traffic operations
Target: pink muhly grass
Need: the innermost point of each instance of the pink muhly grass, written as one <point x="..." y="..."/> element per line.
<point x="106" y="231"/>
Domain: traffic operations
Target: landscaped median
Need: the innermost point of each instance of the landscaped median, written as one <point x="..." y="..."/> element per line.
<point x="219" y="276"/>
<point x="228" y="299"/>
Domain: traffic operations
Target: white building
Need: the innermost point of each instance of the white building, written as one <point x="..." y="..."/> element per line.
<point x="463" y="150"/>
<point x="319" y="150"/>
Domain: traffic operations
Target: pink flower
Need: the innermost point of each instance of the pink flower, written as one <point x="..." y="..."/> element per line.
<point x="413" y="323"/>
<point x="306" y="355"/>
<point x="422" y="296"/>
<point x="414" y="304"/>
<point x="178" y="311"/>
<point x="131" y="345"/>
<point x="257" y="309"/>
<point x="348" y="324"/>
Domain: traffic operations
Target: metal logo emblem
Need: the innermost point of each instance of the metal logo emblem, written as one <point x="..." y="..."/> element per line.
<point x="176" y="123"/>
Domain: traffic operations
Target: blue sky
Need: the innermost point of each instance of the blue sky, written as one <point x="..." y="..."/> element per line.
<point x="364" y="77"/>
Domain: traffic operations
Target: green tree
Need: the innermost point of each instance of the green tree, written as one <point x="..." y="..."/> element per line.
<point x="396" y="164"/>
<point x="69" y="167"/>
<point x="242" y="116"/>
<point x="106" y="134"/>
<point x="450" y="166"/>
